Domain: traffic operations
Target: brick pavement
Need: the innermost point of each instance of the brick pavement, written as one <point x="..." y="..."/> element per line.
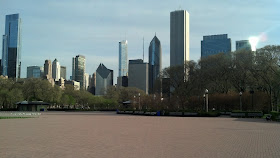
<point x="105" y="135"/>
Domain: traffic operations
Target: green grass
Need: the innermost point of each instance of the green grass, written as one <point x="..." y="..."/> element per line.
<point x="5" y="117"/>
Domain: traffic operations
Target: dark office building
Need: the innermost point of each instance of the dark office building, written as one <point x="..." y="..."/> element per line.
<point x="155" y="62"/>
<point x="214" y="44"/>
<point x="11" y="52"/>
<point x="243" y="45"/>
<point x="1" y="67"/>
<point x="63" y="72"/>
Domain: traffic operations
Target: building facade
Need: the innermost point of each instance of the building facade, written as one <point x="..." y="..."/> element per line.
<point x="78" y="69"/>
<point x="243" y="45"/>
<point x="86" y="81"/>
<point x="104" y="79"/>
<point x="76" y="85"/>
<point x="155" y="62"/>
<point x="63" y="72"/>
<point x="48" y="69"/>
<point x="55" y="70"/>
<point x="214" y="44"/>
<point x="34" y="72"/>
<point x="11" y="51"/>
<point x="1" y="69"/>
<point x="138" y="75"/>
<point x="122" y="81"/>
<point x="92" y="83"/>
<point x="179" y="37"/>
<point x="123" y="65"/>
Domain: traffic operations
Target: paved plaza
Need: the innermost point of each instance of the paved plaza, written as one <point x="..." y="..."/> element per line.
<point x="108" y="135"/>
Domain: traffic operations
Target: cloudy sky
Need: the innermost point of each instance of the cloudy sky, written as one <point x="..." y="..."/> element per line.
<point x="65" y="28"/>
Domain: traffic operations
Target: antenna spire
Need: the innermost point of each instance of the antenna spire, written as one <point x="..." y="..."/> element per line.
<point x="143" y="48"/>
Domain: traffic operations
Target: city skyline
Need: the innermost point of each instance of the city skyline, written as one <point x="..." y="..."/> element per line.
<point x="89" y="29"/>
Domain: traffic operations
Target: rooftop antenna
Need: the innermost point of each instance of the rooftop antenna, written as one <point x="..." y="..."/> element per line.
<point x="143" y="49"/>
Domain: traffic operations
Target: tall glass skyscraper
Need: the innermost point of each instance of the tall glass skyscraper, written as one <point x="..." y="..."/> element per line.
<point x="123" y="65"/>
<point x="78" y="69"/>
<point x="11" y="51"/>
<point x="179" y="37"/>
<point x="155" y="61"/>
<point x="215" y="44"/>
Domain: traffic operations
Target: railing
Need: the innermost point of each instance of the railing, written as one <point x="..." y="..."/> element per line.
<point x="19" y="114"/>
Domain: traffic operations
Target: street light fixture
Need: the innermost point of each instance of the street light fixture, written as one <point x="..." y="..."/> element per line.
<point x="134" y="102"/>
<point x="206" y="95"/>
<point x="240" y="98"/>
<point x="204" y="102"/>
<point x="139" y="100"/>
<point x="252" y="93"/>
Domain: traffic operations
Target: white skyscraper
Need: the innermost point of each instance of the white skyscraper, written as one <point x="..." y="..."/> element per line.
<point x="56" y="70"/>
<point x="179" y="37"/>
<point x="123" y="65"/>
<point x="86" y="81"/>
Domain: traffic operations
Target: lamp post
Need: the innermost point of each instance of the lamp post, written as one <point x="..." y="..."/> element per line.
<point x="252" y="93"/>
<point x="206" y="96"/>
<point x="134" y="102"/>
<point x="240" y="99"/>
<point x="204" y="102"/>
<point x="139" y="100"/>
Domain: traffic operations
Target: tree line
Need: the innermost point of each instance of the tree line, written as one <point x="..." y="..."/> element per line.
<point x="255" y="74"/>
<point x="35" y="89"/>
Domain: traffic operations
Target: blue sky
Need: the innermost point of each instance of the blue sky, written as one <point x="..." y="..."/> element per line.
<point x="65" y="28"/>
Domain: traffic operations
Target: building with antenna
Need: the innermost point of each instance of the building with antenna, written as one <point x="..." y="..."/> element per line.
<point x="179" y="37"/>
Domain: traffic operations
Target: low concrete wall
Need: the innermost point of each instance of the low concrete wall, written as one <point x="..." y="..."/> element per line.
<point x="19" y="114"/>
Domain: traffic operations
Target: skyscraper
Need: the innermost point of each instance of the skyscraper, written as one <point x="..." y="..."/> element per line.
<point x="243" y="44"/>
<point x="179" y="37"/>
<point x="86" y="81"/>
<point x="11" y="52"/>
<point x="55" y="70"/>
<point x="92" y="83"/>
<point x="48" y="69"/>
<point x="104" y="79"/>
<point x="138" y="75"/>
<point x="34" y="72"/>
<point x="215" y="44"/>
<point x="63" y="72"/>
<point x="78" y="69"/>
<point x="155" y="61"/>
<point x="1" y="69"/>
<point x="123" y="66"/>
